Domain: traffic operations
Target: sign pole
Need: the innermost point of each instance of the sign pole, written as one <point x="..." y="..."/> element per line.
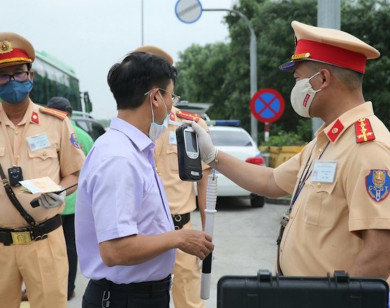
<point x="266" y="131"/>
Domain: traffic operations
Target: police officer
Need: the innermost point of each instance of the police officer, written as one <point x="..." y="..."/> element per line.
<point x="35" y="142"/>
<point x="181" y="199"/>
<point x="339" y="217"/>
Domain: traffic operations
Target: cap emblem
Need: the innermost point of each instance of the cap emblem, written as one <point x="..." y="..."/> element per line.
<point x="5" y="47"/>
<point x="300" y="56"/>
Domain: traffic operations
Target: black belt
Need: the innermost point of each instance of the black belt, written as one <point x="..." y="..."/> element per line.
<point x="179" y="220"/>
<point x="149" y="287"/>
<point x="28" y="234"/>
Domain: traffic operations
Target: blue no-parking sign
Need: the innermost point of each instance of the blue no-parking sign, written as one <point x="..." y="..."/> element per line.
<point x="267" y="105"/>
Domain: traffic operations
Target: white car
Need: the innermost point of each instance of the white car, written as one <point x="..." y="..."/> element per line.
<point x="237" y="142"/>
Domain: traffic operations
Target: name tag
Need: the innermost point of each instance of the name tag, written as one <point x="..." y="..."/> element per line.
<point x="172" y="138"/>
<point x="324" y="171"/>
<point x="38" y="142"/>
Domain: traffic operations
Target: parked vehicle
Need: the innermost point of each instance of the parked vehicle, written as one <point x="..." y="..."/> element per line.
<point x="237" y="142"/>
<point x="89" y="124"/>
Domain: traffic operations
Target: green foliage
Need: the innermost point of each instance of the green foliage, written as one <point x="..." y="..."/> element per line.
<point x="283" y="138"/>
<point x="202" y="72"/>
<point x="370" y="20"/>
<point x="219" y="73"/>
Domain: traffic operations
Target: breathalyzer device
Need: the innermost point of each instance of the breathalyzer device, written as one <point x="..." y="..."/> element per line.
<point x="190" y="168"/>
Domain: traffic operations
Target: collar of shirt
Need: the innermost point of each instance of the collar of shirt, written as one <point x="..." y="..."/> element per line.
<point x="334" y="130"/>
<point x="140" y="140"/>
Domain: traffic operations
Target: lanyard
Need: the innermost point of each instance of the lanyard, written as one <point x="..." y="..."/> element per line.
<point x="305" y="175"/>
<point x="13" y="154"/>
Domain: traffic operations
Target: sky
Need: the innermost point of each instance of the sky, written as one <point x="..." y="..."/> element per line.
<point x="91" y="35"/>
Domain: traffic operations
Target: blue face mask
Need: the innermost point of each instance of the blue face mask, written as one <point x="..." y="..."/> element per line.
<point x="14" y="92"/>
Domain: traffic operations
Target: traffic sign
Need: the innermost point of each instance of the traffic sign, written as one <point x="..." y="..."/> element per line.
<point x="267" y="105"/>
<point x="188" y="11"/>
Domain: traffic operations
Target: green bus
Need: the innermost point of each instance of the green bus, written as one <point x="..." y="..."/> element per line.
<point x="55" y="78"/>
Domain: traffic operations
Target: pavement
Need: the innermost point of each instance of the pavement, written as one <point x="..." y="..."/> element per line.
<point x="244" y="239"/>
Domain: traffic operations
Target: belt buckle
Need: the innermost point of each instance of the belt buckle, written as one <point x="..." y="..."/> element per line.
<point x="21" y="237"/>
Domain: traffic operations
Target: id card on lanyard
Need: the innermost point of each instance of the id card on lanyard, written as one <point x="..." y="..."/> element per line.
<point x="324" y="171"/>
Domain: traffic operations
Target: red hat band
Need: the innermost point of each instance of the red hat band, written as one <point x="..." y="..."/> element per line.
<point x="332" y="55"/>
<point x="15" y="55"/>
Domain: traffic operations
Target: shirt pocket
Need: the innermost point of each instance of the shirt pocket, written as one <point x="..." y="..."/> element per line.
<point x="43" y="160"/>
<point x="320" y="206"/>
<point x="172" y="159"/>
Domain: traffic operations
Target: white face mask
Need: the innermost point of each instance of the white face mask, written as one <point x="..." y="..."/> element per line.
<point x="156" y="130"/>
<point x="302" y="96"/>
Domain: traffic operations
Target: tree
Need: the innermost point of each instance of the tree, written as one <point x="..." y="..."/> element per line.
<point x="369" y="21"/>
<point x="202" y="74"/>
<point x="219" y="73"/>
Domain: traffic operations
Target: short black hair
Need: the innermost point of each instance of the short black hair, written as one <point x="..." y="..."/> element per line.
<point x="138" y="73"/>
<point x="60" y="103"/>
<point x="351" y="79"/>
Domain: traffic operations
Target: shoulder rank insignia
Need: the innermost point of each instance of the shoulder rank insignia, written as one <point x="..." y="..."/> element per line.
<point x="377" y="184"/>
<point x="54" y="112"/>
<point x="363" y="130"/>
<point x="188" y="115"/>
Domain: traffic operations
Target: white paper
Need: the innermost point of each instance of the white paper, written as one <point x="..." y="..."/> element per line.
<point x="40" y="185"/>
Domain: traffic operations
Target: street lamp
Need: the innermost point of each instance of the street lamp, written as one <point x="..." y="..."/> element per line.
<point x="189" y="11"/>
<point x="253" y="63"/>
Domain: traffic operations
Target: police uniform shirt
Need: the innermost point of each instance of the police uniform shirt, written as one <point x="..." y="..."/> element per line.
<point x="323" y="232"/>
<point x="181" y="195"/>
<point x="57" y="155"/>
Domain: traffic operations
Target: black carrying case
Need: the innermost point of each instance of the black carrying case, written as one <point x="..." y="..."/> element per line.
<point x="267" y="291"/>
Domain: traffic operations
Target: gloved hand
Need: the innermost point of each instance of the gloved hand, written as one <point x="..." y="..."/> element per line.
<point x="208" y="152"/>
<point x="50" y="200"/>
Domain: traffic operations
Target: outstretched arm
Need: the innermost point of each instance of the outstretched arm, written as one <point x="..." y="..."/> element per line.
<point x="257" y="179"/>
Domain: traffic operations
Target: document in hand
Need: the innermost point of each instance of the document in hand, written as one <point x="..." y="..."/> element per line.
<point x="40" y="185"/>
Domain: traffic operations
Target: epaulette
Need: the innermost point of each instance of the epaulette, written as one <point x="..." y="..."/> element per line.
<point x="188" y="115"/>
<point x="54" y="112"/>
<point x="363" y="130"/>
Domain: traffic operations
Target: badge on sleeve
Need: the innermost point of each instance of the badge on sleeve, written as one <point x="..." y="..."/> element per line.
<point x="377" y="184"/>
<point x="74" y="141"/>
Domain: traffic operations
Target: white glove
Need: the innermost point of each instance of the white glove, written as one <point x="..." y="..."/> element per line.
<point x="208" y="152"/>
<point x="51" y="200"/>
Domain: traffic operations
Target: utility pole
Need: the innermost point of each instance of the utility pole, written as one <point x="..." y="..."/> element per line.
<point x="328" y="16"/>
